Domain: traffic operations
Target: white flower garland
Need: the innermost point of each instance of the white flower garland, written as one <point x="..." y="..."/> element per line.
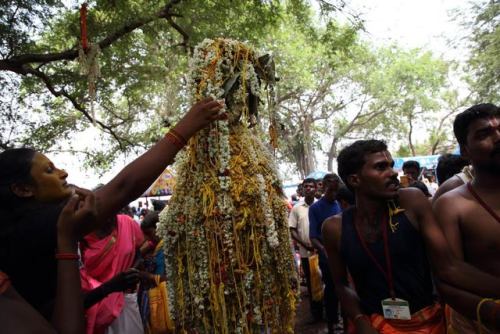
<point x="89" y="66"/>
<point x="227" y="243"/>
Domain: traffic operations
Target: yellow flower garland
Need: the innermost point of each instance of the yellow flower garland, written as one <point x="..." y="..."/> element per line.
<point x="230" y="268"/>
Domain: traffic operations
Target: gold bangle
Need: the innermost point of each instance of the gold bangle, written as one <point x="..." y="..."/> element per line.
<point x="178" y="136"/>
<point x="172" y="133"/>
<point x="478" y="312"/>
<point x="174" y="140"/>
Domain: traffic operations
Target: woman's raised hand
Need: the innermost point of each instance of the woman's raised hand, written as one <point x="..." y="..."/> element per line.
<point x="200" y="115"/>
<point x="79" y="212"/>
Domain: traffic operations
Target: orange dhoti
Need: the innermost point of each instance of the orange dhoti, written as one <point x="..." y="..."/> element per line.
<point x="429" y="320"/>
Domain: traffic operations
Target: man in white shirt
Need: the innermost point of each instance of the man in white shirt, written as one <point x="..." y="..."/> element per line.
<point x="299" y="228"/>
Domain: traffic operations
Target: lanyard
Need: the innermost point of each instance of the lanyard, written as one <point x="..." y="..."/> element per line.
<point x="388" y="273"/>
<point x="482" y="203"/>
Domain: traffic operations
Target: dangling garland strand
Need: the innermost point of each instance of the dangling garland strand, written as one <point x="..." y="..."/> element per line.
<point x="83" y="27"/>
<point x="229" y="263"/>
<point x="88" y="57"/>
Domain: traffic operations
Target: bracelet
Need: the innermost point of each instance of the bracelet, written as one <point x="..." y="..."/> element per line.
<point x="67" y="256"/>
<point x="179" y="136"/>
<point x="4" y="282"/>
<point x="174" y="140"/>
<point x="478" y="312"/>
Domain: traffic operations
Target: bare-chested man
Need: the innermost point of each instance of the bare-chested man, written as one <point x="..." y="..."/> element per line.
<point x="379" y="241"/>
<point x="470" y="214"/>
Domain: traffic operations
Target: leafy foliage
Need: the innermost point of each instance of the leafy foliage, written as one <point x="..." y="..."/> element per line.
<point x="332" y="84"/>
<point x="142" y="73"/>
<point x="484" y="62"/>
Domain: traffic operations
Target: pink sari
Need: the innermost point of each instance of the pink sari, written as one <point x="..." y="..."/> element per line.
<point x="102" y="260"/>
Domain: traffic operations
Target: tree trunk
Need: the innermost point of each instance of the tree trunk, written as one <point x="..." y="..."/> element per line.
<point x="309" y="159"/>
<point x="410" y="142"/>
<point x="435" y="146"/>
<point x="332" y="153"/>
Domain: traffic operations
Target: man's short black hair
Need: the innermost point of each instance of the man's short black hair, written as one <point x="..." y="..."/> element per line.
<point x="411" y="164"/>
<point x="150" y="220"/>
<point x="345" y="194"/>
<point x="449" y="165"/>
<point x="158" y="204"/>
<point x="352" y="158"/>
<point x="465" y="118"/>
<point x="309" y="180"/>
<point x="420" y="185"/>
<point x="331" y="177"/>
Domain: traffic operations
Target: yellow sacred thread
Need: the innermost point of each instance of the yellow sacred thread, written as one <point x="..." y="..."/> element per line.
<point x="478" y="312"/>
<point x="393" y="210"/>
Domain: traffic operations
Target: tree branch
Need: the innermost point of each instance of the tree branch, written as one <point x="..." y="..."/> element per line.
<point x="109" y="129"/>
<point x="289" y="95"/>
<point x="24" y="64"/>
<point x="185" y="36"/>
<point x="16" y="63"/>
<point x="4" y="146"/>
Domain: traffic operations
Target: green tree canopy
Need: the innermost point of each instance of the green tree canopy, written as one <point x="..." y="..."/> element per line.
<point x="143" y="61"/>
<point x="484" y="62"/>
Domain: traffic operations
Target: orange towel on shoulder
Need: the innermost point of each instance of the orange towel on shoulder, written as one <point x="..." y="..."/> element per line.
<point x="429" y="320"/>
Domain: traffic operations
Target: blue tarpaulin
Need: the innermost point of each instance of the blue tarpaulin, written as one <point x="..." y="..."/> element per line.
<point x="317" y="175"/>
<point x="427" y="161"/>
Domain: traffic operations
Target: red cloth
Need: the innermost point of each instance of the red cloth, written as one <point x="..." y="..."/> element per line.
<point x="429" y="320"/>
<point x="102" y="260"/>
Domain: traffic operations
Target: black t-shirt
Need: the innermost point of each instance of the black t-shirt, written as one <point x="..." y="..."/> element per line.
<point x="28" y="242"/>
<point x="410" y="268"/>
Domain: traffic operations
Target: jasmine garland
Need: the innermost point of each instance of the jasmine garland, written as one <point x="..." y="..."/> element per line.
<point x="227" y="245"/>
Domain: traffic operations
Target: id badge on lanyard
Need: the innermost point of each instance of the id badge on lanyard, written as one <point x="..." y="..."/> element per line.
<point x="397" y="309"/>
<point x="393" y="308"/>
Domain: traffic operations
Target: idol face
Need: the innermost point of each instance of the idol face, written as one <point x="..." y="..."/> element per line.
<point x="483" y="144"/>
<point x="377" y="178"/>
<point x="49" y="182"/>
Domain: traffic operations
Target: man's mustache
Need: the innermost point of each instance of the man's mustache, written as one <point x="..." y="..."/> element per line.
<point x="394" y="181"/>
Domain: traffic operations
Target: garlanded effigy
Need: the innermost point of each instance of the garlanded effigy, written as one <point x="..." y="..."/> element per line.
<point x="229" y="263"/>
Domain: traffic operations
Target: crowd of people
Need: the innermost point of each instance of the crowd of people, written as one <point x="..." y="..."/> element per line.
<point x="402" y="254"/>
<point x="396" y="254"/>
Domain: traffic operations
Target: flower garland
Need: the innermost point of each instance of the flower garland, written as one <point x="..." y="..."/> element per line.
<point x="89" y="66"/>
<point x="229" y="263"/>
<point x="88" y="58"/>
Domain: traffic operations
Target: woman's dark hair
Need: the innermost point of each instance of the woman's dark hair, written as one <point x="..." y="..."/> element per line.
<point x="352" y="158"/>
<point x="15" y="167"/>
<point x="150" y="220"/>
